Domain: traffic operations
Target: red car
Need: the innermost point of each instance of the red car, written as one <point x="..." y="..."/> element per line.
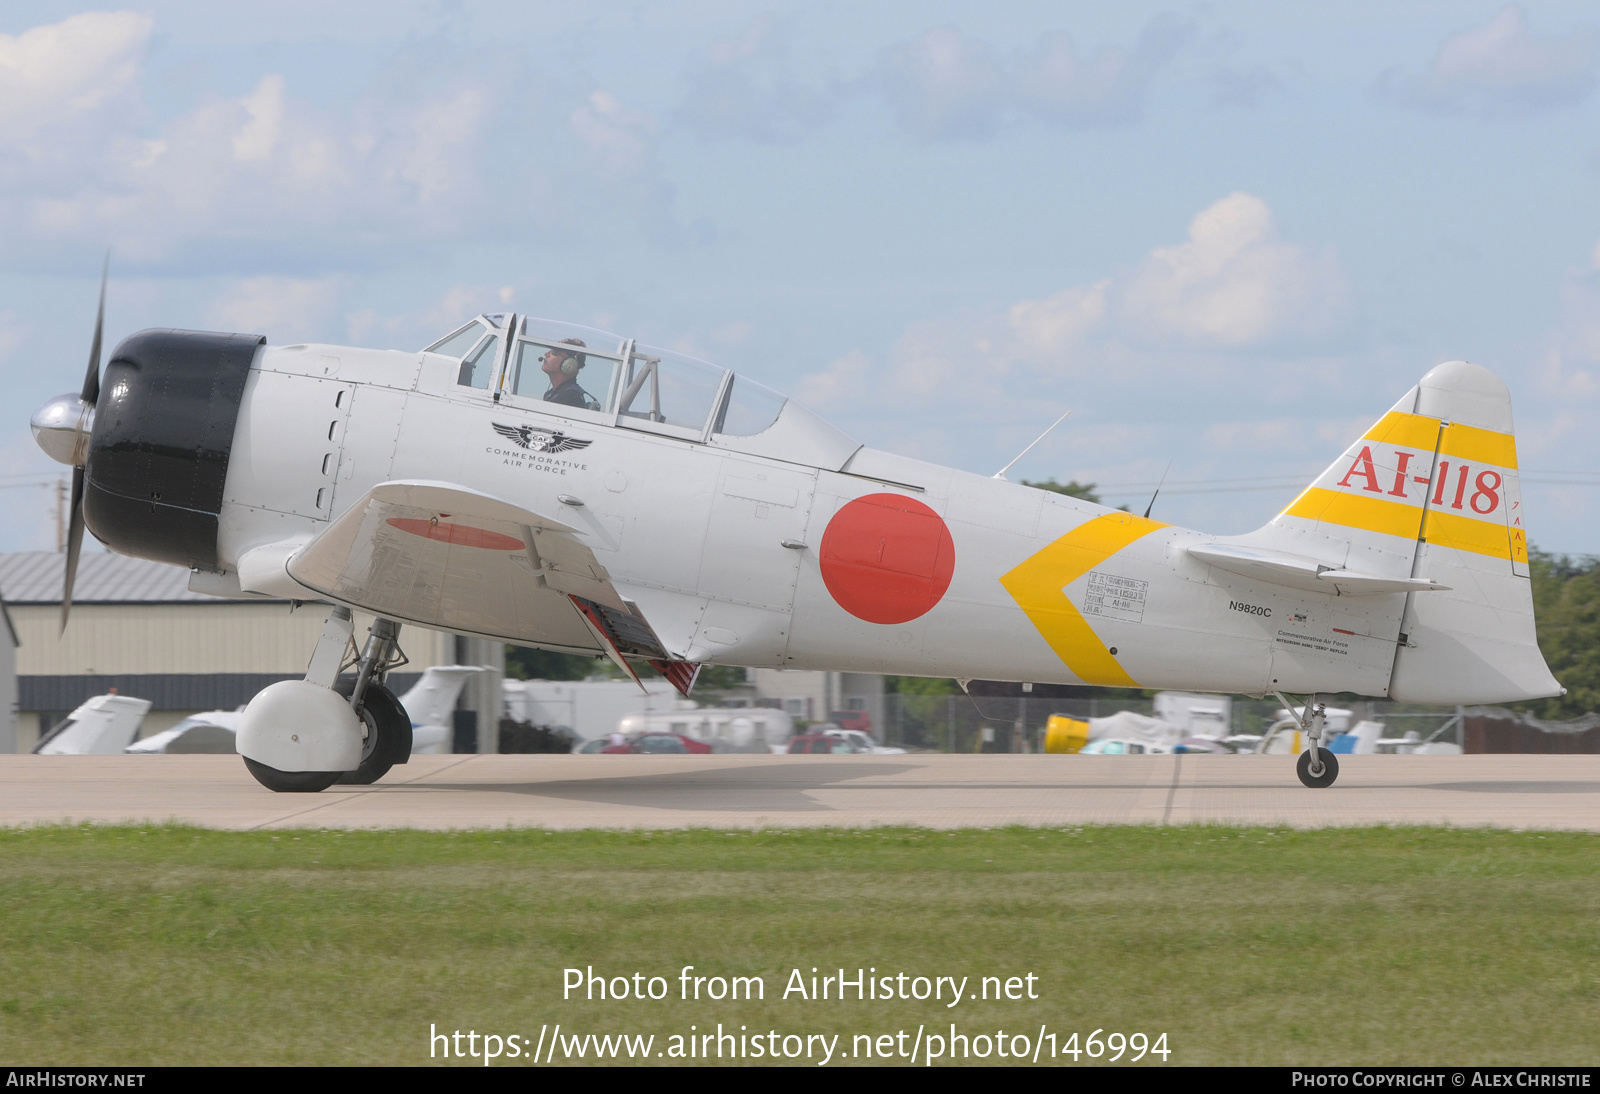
<point x="820" y="744"/>
<point x="657" y="744"/>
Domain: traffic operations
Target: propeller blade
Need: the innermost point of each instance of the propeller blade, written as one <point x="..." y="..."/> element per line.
<point x="91" y="382"/>
<point x="74" y="545"/>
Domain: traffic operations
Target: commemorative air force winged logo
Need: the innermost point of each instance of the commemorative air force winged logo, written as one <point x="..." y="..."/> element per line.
<point x="535" y="439"/>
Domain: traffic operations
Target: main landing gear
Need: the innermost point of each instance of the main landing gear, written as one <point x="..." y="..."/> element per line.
<point x="1317" y="767"/>
<point x="302" y="736"/>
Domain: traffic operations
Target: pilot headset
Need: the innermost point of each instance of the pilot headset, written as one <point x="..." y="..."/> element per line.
<point x="573" y="361"/>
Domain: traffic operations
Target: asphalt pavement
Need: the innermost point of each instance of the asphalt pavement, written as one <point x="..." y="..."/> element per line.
<point x="934" y="790"/>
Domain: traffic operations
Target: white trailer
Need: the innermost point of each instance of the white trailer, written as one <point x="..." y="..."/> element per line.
<point x="733" y="729"/>
<point x="590" y="708"/>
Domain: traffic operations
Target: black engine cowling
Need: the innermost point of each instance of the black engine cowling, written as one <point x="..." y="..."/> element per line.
<point x="163" y="429"/>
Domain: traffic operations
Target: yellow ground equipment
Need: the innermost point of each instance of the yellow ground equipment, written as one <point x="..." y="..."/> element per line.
<point x="1065" y="735"/>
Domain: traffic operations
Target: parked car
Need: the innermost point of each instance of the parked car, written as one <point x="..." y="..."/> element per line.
<point x="650" y="744"/>
<point x="823" y="744"/>
<point x="862" y="741"/>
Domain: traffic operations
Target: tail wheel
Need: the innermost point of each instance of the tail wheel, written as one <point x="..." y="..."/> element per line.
<point x="388" y="733"/>
<point x="290" y="782"/>
<point x="1330" y="769"/>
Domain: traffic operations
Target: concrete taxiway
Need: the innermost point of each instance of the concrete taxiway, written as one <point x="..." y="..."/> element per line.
<point x="932" y="790"/>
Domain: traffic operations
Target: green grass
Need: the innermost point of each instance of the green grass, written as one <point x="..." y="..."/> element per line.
<point x="171" y="945"/>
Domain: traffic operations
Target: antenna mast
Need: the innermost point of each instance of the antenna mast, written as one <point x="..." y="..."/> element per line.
<point x="1001" y="474"/>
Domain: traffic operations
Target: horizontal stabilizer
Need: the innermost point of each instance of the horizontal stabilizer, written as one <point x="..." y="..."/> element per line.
<point x="1299" y="572"/>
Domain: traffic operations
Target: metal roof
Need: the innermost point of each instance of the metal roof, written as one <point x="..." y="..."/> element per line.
<point x="34" y="577"/>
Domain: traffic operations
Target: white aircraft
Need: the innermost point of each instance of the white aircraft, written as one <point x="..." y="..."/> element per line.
<point x="556" y="486"/>
<point x="101" y="726"/>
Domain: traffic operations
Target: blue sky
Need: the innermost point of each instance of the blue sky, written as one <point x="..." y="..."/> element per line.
<point x="1224" y="235"/>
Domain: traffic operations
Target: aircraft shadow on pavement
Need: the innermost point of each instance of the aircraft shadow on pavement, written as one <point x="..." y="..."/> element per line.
<point x="783" y="788"/>
<point x="1529" y="787"/>
<point x="778" y="789"/>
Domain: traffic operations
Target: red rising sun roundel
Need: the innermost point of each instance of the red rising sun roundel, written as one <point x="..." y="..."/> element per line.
<point x="462" y="535"/>
<point x="887" y="558"/>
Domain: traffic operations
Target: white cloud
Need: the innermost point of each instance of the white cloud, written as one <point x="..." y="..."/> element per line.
<point x="258" y="169"/>
<point x="620" y="152"/>
<point x="1236" y="283"/>
<point x="1060" y="321"/>
<point x="269" y="178"/>
<point x="1244" y="87"/>
<point x="50" y="75"/>
<point x="944" y="85"/>
<point x="1502" y="70"/>
<point x="745" y="87"/>
<point x="1108" y="89"/>
<point x="285" y="309"/>
<point x="1571" y="367"/>
<point x="264" y="107"/>
<point x="1233" y="285"/>
<point x="845" y="379"/>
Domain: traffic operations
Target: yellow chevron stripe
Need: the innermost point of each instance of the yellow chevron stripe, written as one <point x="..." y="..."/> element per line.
<point x="1406" y="430"/>
<point x="1465" y="534"/>
<point x="1036" y="585"/>
<point x="1357" y="511"/>
<point x="1468" y="442"/>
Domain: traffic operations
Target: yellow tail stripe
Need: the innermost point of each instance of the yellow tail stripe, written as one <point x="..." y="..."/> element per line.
<point x="1465" y="534"/>
<point x="1354" y="511"/>
<point x="1037" y="586"/>
<point x="1406" y="430"/>
<point x="1468" y="442"/>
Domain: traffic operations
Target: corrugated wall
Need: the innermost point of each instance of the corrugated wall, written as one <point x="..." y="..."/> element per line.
<point x="198" y="638"/>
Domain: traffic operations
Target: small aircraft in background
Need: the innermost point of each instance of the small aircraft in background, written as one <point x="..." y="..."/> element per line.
<point x="561" y="487"/>
<point x="103" y="725"/>
<point x="428" y="704"/>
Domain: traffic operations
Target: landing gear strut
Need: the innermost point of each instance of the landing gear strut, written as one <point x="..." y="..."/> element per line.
<point x="1317" y="767"/>
<point x="302" y="736"/>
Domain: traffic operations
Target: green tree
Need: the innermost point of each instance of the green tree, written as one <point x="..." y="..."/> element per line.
<point x="1073" y="489"/>
<point x="523" y="663"/>
<point x="720" y="678"/>
<point x="921" y="685"/>
<point x="1566" y="606"/>
<point x="1087" y="491"/>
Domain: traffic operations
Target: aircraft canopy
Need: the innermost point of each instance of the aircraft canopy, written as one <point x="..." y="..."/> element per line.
<point x="587" y="373"/>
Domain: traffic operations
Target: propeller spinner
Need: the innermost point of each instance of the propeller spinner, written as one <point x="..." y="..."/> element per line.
<point x="62" y="428"/>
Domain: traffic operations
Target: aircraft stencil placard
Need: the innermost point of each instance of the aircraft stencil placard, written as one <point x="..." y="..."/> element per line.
<point x="1115" y="597"/>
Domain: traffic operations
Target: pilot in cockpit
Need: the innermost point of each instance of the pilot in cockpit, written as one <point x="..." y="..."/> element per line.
<point x="562" y="367"/>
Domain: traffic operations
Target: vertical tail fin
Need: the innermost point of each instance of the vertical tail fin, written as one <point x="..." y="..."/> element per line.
<point x="1431" y="492"/>
<point x="1476" y="641"/>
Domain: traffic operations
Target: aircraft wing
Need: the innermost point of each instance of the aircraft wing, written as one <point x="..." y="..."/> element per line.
<point x="450" y="557"/>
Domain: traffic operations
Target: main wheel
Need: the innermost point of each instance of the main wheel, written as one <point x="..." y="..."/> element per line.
<point x="388" y="733"/>
<point x="1330" y="769"/>
<point x="290" y="782"/>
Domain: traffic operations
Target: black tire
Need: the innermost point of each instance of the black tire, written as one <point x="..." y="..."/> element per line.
<point x="290" y="782"/>
<point x="388" y="733"/>
<point x="1330" y="769"/>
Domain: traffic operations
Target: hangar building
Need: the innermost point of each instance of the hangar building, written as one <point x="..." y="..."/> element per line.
<point x="136" y="627"/>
